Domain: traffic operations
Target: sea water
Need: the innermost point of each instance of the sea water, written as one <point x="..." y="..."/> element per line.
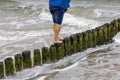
<point x="27" y="25"/>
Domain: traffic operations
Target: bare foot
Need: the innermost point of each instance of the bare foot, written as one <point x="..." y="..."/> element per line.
<point x="58" y="41"/>
<point x="61" y="39"/>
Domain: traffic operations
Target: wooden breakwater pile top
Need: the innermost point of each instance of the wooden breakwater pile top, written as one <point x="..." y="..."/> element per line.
<point x="74" y="43"/>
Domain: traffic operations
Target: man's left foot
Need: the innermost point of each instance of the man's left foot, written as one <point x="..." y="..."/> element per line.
<point x="58" y="41"/>
<point x="61" y="39"/>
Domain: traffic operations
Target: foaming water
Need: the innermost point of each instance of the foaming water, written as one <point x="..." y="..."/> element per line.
<point x="65" y="65"/>
<point x="117" y="38"/>
<point x="18" y="35"/>
<point x="27" y="25"/>
<point x="104" y="13"/>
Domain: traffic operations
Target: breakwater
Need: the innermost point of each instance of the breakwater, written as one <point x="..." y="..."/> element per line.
<point x="74" y="43"/>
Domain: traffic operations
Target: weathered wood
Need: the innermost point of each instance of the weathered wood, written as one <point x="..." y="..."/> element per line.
<point x="90" y="36"/>
<point x="78" y="49"/>
<point x="95" y="37"/>
<point x="1" y="70"/>
<point x="85" y="40"/>
<point x="27" y="62"/>
<point x="45" y="55"/>
<point x="74" y="44"/>
<point x="67" y="46"/>
<point x="115" y="24"/>
<point x="80" y="42"/>
<point x="37" y="57"/>
<point x="118" y="24"/>
<point x="18" y="62"/>
<point x="9" y="67"/>
<point x="100" y="35"/>
<point x="59" y="50"/>
<point x="53" y="53"/>
<point x="107" y="38"/>
<point x="112" y="29"/>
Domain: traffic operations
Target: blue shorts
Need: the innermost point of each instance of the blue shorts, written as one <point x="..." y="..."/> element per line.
<point x="57" y="14"/>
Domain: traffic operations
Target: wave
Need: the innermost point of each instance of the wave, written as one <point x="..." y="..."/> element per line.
<point x="19" y="35"/>
<point x="105" y="13"/>
<point x="24" y="28"/>
<point x="8" y="1"/>
<point x="70" y="19"/>
<point x="117" y="38"/>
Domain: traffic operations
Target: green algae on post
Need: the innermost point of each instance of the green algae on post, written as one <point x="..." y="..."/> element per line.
<point x="67" y="46"/>
<point x="73" y="39"/>
<point x="9" y="67"/>
<point x="53" y="53"/>
<point x="18" y="62"/>
<point x="27" y="62"/>
<point x="37" y="57"/>
<point x="59" y="50"/>
<point x="1" y="70"/>
<point x="45" y="55"/>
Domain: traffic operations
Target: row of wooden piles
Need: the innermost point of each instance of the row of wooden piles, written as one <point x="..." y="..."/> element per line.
<point x="75" y="43"/>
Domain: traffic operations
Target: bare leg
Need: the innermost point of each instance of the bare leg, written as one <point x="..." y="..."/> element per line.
<point x="57" y="29"/>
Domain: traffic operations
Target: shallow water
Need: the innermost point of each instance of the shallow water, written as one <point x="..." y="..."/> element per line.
<point x="99" y="65"/>
<point x="27" y="24"/>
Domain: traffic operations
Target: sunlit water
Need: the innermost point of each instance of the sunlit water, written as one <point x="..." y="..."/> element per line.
<point x="27" y="24"/>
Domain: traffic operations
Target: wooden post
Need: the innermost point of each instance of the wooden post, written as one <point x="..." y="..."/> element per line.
<point x="107" y="32"/>
<point x="67" y="46"/>
<point x="37" y="57"/>
<point x="59" y="50"/>
<point x="85" y="40"/>
<point x="112" y="29"/>
<point x="1" y="70"/>
<point x="100" y="36"/>
<point x="53" y="53"/>
<point x="45" y="55"/>
<point x="118" y="24"/>
<point x="9" y="67"/>
<point x="18" y="62"/>
<point x="74" y="44"/>
<point x="95" y="37"/>
<point x="80" y="41"/>
<point x="27" y="62"/>
<point x="90" y="36"/>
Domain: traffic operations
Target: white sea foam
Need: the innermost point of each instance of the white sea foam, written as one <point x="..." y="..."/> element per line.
<point x="84" y="58"/>
<point x="70" y="19"/>
<point x="105" y="13"/>
<point x="2" y="24"/>
<point x="31" y="21"/>
<point x="45" y="15"/>
<point x="67" y="68"/>
<point x="17" y="24"/>
<point x="21" y="24"/>
<point x="17" y="35"/>
<point x="79" y="21"/>
<point x="117" y="38"/>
